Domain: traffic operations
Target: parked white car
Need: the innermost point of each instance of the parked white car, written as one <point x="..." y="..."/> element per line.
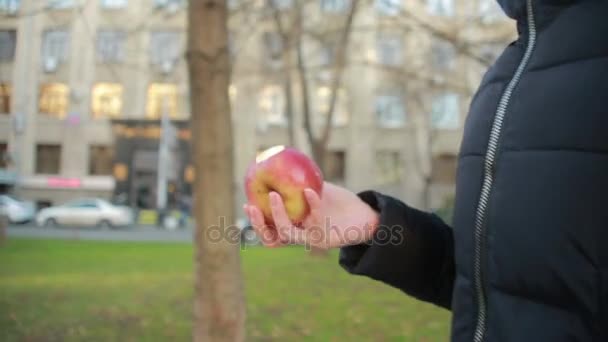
<point x="85" y="212"/>
<point x="248" y="235"/>
<point x="17" y="211"/>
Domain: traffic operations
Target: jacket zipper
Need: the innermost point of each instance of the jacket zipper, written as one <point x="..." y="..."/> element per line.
<point x="488" y="177"/>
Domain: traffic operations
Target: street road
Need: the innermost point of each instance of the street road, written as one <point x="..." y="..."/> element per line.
<point x="132" y="233"/>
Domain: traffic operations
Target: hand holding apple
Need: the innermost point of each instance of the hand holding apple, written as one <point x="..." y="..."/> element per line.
<point x="336" y="219"/>
<point x="288" y="172"/>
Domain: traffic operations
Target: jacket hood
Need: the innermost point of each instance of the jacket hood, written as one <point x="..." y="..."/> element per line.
<point x="516" y="9"/>
<point x="513" y="8"/>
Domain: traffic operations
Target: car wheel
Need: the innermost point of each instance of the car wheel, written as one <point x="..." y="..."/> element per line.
<point x="50" y="223"/>
<point x="249" y="237"/>
<point x="104" y="224"/>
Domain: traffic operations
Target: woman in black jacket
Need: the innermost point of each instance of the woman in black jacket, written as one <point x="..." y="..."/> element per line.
<point x="526" y="258"/>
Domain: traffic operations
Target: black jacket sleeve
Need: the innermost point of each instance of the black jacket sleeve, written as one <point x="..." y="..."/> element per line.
<point x="411" y="250"/>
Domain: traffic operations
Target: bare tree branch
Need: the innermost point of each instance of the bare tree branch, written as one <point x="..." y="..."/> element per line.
<point x="302" y="78"/>
<point x="286" y="37"/>
<point x="338" y="70"/>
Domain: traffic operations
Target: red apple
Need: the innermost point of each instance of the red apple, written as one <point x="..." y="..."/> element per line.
<point x="288" y="172"/>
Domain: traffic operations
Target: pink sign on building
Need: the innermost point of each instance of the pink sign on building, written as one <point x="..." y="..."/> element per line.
<point x="62" y="182"/>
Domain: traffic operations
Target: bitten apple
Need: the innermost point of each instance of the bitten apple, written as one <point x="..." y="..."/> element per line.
<point x="288" y="172"/>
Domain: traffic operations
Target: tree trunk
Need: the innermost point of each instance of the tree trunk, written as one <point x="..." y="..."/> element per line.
<point x="426" y="193"/>
<point x="319" y="144"/>
<point x="424" y="138"/>
<point x="219" y="306"/>
<point x="4" y="221"/>
<point x="319" y="155"/>
<point x="337" y="71"/>
<point x="289" y="105"/>
<point x="286" y="59"/>
<point x="303" y="80"/>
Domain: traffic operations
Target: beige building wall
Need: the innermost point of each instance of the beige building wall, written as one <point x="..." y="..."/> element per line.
<point x="360" y="139"/>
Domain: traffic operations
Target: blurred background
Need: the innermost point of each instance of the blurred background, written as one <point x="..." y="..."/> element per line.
<point x="95" y="144"/>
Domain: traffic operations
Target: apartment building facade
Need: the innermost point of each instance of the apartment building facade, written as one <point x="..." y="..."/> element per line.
<point x="77" y="78"/>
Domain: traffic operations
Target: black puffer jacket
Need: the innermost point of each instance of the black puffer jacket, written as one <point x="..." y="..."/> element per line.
<point x="527" y="257"/>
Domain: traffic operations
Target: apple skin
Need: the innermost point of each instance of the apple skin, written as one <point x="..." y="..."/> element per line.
<point x="288" y="172"/>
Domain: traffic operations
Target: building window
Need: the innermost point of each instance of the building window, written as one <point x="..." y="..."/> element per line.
<point x="107" y="100"/>
<point x="445" y="111"/>
<point x="55" y="49"/>
<point x="340" y="115"/>
<point x="335" y="166"/>
<point x="110" y="46"/>
<point x="165" y="49"/>
<point x="389" y="167"/>
<point x="233" y="4"/>
<point x="272" y="49"/>
<point x="443" y="55"/>
<point x="120" y="171"/>
<point x="233" y="92"/>
<point x="282" y="4"/>
<point x="162" y="98"/>
<point x="441" y="7"/>
<point x="60" y="4"/>
<point x="9" y="7"/>
<point x="272" y="105"/>
<point x="171" y="5"/>
<point x="388" y="7"/>
<point x="389" y="49"/>
<point x="334" y="6"/>
<point x="390" y="110"/>
<point x="5" y="98"/>
<point x="8" y="41"/>
<point x="54" y="99"/>
<point x="113" y="4"/>
<point x="4" y="157"/>
<point x="48" y="159"/>
<point x="443" y="170"/>
<point x="100" y="160"/>
<point x="327" y="55"/>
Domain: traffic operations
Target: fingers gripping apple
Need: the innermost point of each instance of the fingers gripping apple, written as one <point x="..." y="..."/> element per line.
<point x="288" y="172"/>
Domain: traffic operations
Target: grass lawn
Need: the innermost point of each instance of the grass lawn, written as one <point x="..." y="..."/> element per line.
<point x="106" y="291"/>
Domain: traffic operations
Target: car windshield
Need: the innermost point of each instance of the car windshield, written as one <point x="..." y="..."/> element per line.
<point x="104" y="203"/>
<point x="86" y="203"/>
<point x="6" y="200"/>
